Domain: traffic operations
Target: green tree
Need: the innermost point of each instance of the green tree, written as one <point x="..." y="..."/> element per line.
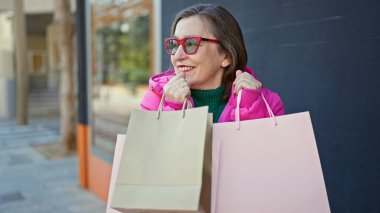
<point x="125" y="55"/>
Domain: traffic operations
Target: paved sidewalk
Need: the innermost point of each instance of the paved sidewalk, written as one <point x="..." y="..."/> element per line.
<point x="29" y="182"/>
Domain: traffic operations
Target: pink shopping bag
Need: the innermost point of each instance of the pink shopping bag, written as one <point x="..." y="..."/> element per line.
<point x="120" y="141"/>
<point x="267" y="165"/>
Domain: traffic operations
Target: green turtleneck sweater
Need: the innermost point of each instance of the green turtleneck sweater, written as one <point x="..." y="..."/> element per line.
<point x="211" y="98"/>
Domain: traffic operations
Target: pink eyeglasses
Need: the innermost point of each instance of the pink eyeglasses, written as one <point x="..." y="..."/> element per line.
<point x="189" y="44"/>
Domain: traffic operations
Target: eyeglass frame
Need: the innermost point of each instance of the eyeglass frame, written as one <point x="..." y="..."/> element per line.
<point x="181" y="42"/>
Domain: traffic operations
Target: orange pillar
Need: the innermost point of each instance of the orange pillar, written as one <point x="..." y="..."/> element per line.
<point x="82" y="147"/>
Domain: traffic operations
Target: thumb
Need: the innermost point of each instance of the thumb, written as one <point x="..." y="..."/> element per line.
<point x="238" y="73"/>
<point x="182" y="74"/>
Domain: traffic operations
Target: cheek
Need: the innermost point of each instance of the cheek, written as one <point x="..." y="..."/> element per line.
<point x="199" y="60"/>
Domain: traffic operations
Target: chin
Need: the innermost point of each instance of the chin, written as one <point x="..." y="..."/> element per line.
<point x="190" y="82"/>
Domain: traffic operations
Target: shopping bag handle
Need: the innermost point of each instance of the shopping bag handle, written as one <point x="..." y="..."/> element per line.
<point x="237" y="111"/>
<point x="186" y="104"/>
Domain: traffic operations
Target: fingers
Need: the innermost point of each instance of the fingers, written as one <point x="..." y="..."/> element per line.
<point x="245" y="81"/>
<point x="238" y="87"/>
<point x="238" y="73"/>
<point x="176" y="81"/>
<point x="177" y="89"/>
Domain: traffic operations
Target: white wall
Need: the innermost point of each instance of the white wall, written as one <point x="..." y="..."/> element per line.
<point x="35" y="6"/>
<point x="6" y="47"/>
<point x="6" y="4"/>
<point x="7" y="76"/>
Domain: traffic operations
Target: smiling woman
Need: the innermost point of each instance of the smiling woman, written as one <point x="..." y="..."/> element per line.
<point x="209" y="58"/>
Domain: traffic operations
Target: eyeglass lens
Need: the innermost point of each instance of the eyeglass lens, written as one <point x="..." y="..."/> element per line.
<point x="190" y="45"/>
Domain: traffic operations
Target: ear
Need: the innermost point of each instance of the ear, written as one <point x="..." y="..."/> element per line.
<point x="226" y="61"/>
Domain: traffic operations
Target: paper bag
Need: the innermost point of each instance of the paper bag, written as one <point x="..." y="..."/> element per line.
<point x="115" y="170"/>
<point x="162" y="161"/>
<point x="267" y="165"/>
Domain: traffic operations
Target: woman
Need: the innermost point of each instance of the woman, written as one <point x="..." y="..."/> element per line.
<point x="210" y="67"/>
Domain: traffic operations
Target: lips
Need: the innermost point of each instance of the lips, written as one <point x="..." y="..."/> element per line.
<point x="183" y="68"/>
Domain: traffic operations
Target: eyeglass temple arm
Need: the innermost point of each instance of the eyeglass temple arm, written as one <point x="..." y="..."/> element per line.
<point x="210" y="40"/>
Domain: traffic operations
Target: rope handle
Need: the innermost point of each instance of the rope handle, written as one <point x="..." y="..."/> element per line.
<point x="237" y="110"/>
<point x="186" y="105"/>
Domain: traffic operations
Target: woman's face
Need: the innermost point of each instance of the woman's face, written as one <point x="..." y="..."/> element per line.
<point x="204" y="69"/>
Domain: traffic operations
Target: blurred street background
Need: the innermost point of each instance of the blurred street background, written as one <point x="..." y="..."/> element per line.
<point x="71" y="72"/>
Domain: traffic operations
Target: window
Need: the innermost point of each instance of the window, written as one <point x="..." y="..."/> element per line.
<point x="122" y="62"/>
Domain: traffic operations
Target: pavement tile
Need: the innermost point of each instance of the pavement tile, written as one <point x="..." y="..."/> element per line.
<point x="11" y="197"/>
<point x="31" y="183"/>
<point x="92" y="209"/>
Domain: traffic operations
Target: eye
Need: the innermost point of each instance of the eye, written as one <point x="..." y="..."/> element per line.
<point x="172" y="45"/>
<point x="191" y="44"/>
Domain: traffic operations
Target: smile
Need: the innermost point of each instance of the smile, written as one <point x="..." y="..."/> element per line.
<point x="185" y="68"/>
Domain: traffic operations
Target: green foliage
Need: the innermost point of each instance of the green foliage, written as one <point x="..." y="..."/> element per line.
<point x="125" y="55"/>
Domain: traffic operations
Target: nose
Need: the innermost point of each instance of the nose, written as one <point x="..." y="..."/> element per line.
<point x="180" y="53"/>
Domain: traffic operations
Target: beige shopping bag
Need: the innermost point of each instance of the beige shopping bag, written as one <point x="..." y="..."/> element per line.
<point x="267" y="165"/>
<point x="162" y="160"/>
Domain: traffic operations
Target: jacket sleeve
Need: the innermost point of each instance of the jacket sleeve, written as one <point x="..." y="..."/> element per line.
<point x="151" y="101"/>
<point x="252" y="105"/>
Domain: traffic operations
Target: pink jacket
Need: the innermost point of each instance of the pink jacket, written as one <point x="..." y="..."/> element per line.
<point x="252" y="105"/>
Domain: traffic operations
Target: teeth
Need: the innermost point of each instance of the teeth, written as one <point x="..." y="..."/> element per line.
<point x="184" y="68"/>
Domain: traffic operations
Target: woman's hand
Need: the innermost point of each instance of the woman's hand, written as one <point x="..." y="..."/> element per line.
<point x="245" y="80"/>
<point x="177" y="89"/>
